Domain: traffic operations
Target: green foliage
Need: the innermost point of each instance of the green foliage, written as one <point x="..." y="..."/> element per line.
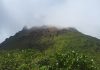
<point x="17" y="59"/>
<point x="32" y="60"/>
<point x="69" y="61"/>
<point x="47" y="49"/>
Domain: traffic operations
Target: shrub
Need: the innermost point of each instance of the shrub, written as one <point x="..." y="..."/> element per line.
<point x="68" y="61"/>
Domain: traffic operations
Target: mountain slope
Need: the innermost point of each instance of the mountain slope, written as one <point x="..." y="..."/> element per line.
<point x="32" y="37"/>
<point x="43" y="37"/>
<point x="49" y="40"/>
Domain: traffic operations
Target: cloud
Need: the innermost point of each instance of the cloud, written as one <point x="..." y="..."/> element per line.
<point x="81" y="14"/>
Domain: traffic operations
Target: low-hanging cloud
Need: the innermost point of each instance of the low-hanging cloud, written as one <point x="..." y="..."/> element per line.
<point x="81" y="14"/>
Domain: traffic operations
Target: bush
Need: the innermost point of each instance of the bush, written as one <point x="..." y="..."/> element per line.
<point x="69" y="61"/>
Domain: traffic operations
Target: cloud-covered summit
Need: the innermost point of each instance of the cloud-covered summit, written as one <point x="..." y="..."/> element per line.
<point x="81" y="14"/>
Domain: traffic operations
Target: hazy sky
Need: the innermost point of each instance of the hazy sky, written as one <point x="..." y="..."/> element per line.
<point x="81" y="14"/>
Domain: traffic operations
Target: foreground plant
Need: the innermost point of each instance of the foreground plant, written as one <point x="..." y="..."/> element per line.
<point x="69" y="61"/>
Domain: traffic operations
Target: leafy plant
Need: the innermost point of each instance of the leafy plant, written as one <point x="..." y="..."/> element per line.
<point x="69" y="61"/>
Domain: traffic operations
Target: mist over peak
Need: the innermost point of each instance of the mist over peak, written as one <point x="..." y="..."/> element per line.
<point x="83" y="15"/>
<point x="49" y="34"/>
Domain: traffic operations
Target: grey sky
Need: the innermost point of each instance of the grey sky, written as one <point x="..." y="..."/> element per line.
<point x="81" y="14"/>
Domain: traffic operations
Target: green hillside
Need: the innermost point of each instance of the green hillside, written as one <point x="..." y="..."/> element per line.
<point x="40" y="48"/>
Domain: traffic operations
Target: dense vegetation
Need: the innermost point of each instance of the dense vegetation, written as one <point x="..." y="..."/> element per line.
<point x="50" y="49"/>
<point x="32" y="60"/>
<point x="69" y="61"/>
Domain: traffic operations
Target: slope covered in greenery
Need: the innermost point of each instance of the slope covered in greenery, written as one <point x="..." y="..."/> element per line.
<point x="29" y="47"/>
<point x="28" y="59"/>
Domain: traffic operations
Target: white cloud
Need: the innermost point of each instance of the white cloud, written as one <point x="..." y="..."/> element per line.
<point x="82" y="14"/>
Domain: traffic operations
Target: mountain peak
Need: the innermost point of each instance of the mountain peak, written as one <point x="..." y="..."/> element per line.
<point x="43" y="37"/>
<point x="25" y="28"/>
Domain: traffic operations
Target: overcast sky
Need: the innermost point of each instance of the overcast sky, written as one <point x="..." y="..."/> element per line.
<point x="81" y="14"/>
